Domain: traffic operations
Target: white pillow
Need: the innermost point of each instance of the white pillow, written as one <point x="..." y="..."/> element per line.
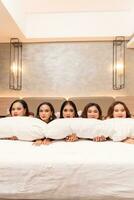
<point x="24" y="128"/>
<point x="119" y="129"/>
<point x="59" y="128"/>
<point x="87" y="128"/>
<point x="83" y="128"/>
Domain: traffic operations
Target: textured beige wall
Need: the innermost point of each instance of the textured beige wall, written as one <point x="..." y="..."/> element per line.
<point x="66" y="69"/>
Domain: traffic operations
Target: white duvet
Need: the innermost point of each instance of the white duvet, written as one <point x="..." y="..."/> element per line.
<point x="82" y="170"/>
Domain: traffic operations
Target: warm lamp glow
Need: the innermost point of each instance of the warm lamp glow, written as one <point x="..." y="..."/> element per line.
<point x="15" y="78"/>
<point x="14" y="68"/>
<point x="119" y="63"/>
<point x="120" y="68"/>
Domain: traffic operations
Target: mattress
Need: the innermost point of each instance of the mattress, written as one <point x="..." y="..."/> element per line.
<point x="82" y="170"/>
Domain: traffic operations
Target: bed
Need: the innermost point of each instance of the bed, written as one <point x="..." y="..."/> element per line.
<point x="82" y="170"/>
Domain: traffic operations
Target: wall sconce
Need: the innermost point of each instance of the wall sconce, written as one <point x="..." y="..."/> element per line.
<point x="119" y="63"/>
<point x="15" y="76"/>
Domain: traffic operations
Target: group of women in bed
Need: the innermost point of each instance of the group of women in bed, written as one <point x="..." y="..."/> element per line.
<point x="46" y="113"/>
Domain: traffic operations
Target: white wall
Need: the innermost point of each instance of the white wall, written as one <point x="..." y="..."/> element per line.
<point x="66" y="69"/>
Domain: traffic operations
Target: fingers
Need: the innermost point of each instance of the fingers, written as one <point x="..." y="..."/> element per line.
<point x="46" y="141"/>
<point x="71" y="138"/>
<point x="99" y="138"/>
<point x="129" y="141"/>
<point x="37" y="142"/>
<point x="103" y="138"/>
<point x="12" y="138"/>
<point x="95" y="139"/>
<point x="67" y="138"/>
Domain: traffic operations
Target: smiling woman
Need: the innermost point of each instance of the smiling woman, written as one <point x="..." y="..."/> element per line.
<point x="19" y="108"/>
<point x="68" y="110"/>
<point x="119" y="110"/>
<point x="92" y="110"/>
<point x="46" y="113"/>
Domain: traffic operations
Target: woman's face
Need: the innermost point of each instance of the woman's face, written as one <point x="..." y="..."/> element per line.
<point x="68" y="111"/>
<point x="93" y="112"/>
<point x="18" y="110"/>
<point x="45" y="113"/>
<point x="119" y="111"/>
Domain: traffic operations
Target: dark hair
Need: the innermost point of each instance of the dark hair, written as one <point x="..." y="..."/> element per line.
<point x="85" y="110"/>
<point x="23" y="103"/>
<point x="51" y="108"/>
<point x="111" y="109"/>
<point x="71" y="103"/>
<point x="31" y="114"/>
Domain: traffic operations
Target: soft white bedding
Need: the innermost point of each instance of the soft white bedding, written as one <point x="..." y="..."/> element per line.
<point x="81" y="170"/>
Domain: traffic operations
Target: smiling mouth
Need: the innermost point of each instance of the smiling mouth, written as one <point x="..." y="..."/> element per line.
<point x="15" y="114"/>
<point x="43" y="117"/>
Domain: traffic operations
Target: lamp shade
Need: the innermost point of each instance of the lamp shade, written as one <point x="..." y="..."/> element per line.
<point x="119" y="63"/>
<point x="15" y="73"/>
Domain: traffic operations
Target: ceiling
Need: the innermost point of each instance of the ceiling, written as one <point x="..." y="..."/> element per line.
<point x="66" y="20"/>
<point x="76" y="5"/>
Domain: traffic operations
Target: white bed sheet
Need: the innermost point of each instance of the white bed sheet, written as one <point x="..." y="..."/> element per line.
<point x="81" y="170"/>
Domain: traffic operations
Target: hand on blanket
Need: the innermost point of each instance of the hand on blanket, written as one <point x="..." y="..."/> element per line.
<point x="129" y="140"/>
<point x="12" y="138"/>
<point x="71" y="138"/>
<point x="45" y="141"/>
<point x="37" y="142"/>
<point x="99" y="138"/>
